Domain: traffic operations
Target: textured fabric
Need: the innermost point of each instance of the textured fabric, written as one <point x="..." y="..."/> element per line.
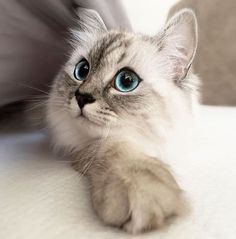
<point x="216" y="55"/>
<point x="33" y="41"/>
<point x="43" y="197"/>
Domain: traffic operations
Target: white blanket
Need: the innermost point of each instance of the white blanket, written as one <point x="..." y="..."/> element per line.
<point x="44" y="198"/>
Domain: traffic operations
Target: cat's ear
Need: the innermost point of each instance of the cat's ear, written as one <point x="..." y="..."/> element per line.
<point x="177" y="44"/>
<point x="89" y="21"/>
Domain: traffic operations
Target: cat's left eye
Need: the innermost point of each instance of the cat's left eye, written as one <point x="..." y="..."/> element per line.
<point x="81" y="70"/>
<point x="126" y="81"/>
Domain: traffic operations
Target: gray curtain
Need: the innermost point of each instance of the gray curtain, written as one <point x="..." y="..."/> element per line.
<point x="33" y="41"/>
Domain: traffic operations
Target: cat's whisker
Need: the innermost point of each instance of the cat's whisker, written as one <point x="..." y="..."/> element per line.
<point x="33" y="88"/>
<point x="36" y="106"/>
<point x="39" y="103"/>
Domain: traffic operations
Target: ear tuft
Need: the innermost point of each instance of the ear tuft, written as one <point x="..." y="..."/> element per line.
<point x="178" y="44"/>
<point x="89" y="20"/>
<point x="88" y="26"/>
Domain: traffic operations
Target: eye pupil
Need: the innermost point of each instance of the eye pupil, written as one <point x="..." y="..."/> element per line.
<point x="81" y="70"/>
<point x="126" y="81"/>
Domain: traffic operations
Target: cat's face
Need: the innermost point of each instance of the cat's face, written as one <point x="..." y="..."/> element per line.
<point x="116" y="79"/>
<point x="112" y="81"/>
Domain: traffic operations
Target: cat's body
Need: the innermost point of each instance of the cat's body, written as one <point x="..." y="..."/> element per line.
<point x="114" y="108"/>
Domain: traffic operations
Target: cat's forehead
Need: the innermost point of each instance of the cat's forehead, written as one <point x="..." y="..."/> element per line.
<point x="109" y="50"/>
<point x="117" y="50"/>
<point x="104" y="53"/>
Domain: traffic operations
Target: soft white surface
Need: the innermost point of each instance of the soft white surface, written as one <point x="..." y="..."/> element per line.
<point x="42" y="197"/>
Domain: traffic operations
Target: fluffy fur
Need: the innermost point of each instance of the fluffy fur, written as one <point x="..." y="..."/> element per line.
<point x="121" y="140"/>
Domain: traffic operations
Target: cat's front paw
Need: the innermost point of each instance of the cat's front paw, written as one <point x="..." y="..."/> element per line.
<point x="138" y="198"/>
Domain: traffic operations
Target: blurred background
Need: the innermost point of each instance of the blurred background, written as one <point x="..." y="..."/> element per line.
<point x="215" y="61"/>
<point x="148" y="16"/>
<point x="34" y="34"/>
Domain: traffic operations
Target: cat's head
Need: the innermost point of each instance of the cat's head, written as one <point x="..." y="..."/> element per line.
<point x="116" y="79"/>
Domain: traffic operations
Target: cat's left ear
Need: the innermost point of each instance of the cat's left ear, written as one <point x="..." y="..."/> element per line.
<point x="89" y="21"/>
<point x="177" y="44"/>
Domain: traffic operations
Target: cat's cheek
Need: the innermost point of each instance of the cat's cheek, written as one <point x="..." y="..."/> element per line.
<point x="74" y="108"/>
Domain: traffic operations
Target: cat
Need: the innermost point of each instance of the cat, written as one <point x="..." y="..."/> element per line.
<point x="115" y="106"/>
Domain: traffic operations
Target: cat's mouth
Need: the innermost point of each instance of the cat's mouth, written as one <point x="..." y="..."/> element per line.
<point x="85" y="118"/>
<point x="82" y="115"/>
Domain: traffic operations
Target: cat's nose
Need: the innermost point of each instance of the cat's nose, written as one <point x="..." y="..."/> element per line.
<point x="83" y="99"/>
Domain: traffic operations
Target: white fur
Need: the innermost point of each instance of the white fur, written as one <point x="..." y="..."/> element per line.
<point x="162" y="119"/>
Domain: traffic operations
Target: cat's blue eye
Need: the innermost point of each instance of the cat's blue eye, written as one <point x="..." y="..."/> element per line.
<point x="126" y="81"/>
<point x="81" y="70"/>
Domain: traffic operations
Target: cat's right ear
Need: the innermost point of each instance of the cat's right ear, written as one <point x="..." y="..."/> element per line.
<point x="177" y="45"/>
<point x="89" y="21"/>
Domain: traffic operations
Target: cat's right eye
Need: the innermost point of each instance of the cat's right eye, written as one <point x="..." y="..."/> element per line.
<point x="81" y="70"/>
<point x="126" y="81"/>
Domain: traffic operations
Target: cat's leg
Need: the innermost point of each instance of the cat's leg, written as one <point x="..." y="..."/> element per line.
<point x="132" y="190"/>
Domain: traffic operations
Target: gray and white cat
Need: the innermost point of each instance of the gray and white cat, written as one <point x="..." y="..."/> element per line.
<point x="114" y="108"/>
